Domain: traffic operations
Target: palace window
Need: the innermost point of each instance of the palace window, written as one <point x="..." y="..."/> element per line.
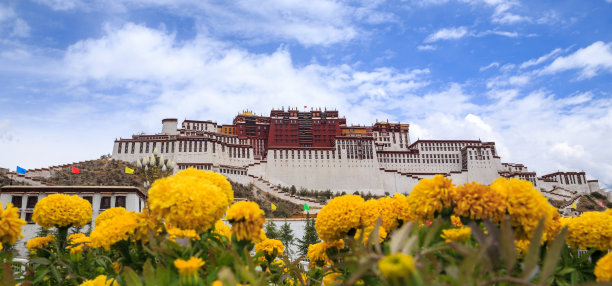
<point x="28" y="218"/>
<point x="119" y="148"/>
<point x="89" y="199"/>
<point x="32" y="200"/>
<point x="105" y="203"/>
<point x="120" y="201"/>
<point x="17" y="201"/>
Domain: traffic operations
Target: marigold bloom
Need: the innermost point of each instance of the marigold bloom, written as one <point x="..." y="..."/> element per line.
<point x="590" y="230"/>
<point x="332" y="279"/>
<point x="272" y="247"/>
<point x="10" y="224"/>
<point x="101" y="280"/>
<point x="397" y="265"/>
<point x="60" y="210"/>
<point x="479" y="202"/>
<point x="522" y="246"/>
<point x="223" y="229"/>
<point x="174" y="233"/>
<point x="110" y="213"/>
<point x="317" y="253"/>
<point x="215" y="178"/>
<point x="188" y="267"/>
<point x="77" y="241"/>
<point x="339" y="216"/>
<point x="456" y="221"/>
<point x="430" y="196"/>
<point x="383" y="208"/>
<point x="247" y="220"/>
<point x="402" y="209"/>
<point x="457" y="234"/>
<point x="111" y="231"/>
<point x="39" y="242"/>
<point x="603" y="268"/>
<point x="382" y="234"/>
<point x="525" y="205"/>
<point x="187" y="202"/>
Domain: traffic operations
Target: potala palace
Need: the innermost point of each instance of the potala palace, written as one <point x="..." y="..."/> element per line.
<point x="316" y="150"/>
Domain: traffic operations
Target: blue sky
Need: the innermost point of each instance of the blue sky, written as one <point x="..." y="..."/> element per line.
<point x="533" y="76"/>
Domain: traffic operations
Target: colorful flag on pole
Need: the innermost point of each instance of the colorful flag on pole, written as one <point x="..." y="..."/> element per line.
<point x="75" y="170"/>
<point x="129" y="170"/>
<point x="600" y="204"/>
<point x="574" y="206"/>
<point x="21" y="170"/>
<point x="306" y="207"/>
<point x="273" y="207"/>
<point x="305" y="106"/>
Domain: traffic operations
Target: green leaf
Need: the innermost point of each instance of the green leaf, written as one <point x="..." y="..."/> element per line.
<point x="533" y="253"/>
<point x="7" y="275"/>
<point x="131" y="278"/>
<point x="507" y="244"/>
<point x="149" y="274"/>
<point x="552" y="256"/>
<point x="41" y="261"/>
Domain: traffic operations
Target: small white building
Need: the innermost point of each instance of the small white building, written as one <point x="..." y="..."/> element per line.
<point x="100" y="197"/>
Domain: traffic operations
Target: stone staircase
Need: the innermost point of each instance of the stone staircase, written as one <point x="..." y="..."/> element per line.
<point x="267" y="187"/>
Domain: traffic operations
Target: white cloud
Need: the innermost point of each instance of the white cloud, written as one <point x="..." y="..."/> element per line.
<point x="491" y="65"/>
<point x="60" y="5"/>
<point x="534" y="62"/>
<point x="426" y="47"/>
<point x="590" y="61"/>
<point x="447" y="34"/>
<point x="12" y="24"/>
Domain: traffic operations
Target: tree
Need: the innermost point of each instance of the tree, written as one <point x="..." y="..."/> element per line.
<point x="286" y="236"/>
<point x="271" y="231"/>
<point x="310" y="236"/>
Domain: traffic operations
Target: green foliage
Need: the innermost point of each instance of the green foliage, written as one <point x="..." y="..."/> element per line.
<point x="310" y="236"/>
<point x="271" y="231"/>
<point x="286" y="235"/>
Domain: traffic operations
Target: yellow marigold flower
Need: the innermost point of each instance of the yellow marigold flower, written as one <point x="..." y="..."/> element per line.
<point x="272" y="247"/>
<point x="430" y="196"/>
<point x="317" y="253"/>
<point x="457" y="234"/>
<point x="59" y="210"/>
<point x="110" y="213"/>
<point x="223" y="229"/>
<point x="522" y="246"/>
<point x="117" y="266"/>
<point x="603" y="268"/>
<point x="77" y="241"/>
<point x="382" y="234"/>
<point x="403" y="209"/>
<point x="10" y="224"/>
<point x="590" y="230"/>
<point x="525" y="205"/>
<point x="339" y="216"/>
<point x="188" y="267"/>
<point x="213" y="177"/>
<point x="145" y="222"/>
<point x="217" y="283"/>
<point x="456" y="221"/>
<point x="174" y="233"/>
<point x="397" y="265"/>
<point x="111" y="231"/>
<point x="383" y="208"/>
<point x="101" y="280"/>
<point x="39" y="242"/>
<point x="479" y="202"/>
<point x="247" y="220"/>
<point x="187" y="202"/>
<point x="332" y="279"/>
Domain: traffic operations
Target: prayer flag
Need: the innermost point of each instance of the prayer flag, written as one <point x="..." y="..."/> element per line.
<point x="600" y="204"/>
<point x="273" y="207"/>
<point x="306" y="207"/>
<point x="574" y="206"/>
<point x="305" y="106"/>
<point x="21" y="170"/>
<point x="75" y="170"/>
<point x="129" y="170"/>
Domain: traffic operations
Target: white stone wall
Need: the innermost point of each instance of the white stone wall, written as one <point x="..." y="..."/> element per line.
<point x="133" y="203"/>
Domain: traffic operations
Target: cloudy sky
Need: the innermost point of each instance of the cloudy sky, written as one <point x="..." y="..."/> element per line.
<point x="536" y="78"/>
